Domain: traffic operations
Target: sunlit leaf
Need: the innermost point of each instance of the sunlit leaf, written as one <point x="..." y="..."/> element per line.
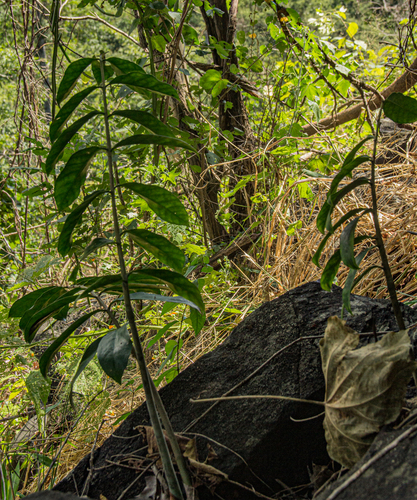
<point x="71" y="179"/>
<point x="71" y="75"/>
<point x="88" y="355"/>
<point x="165" y="204"/>
<point x="365" y="387"/>
<point x="160" y="247"/>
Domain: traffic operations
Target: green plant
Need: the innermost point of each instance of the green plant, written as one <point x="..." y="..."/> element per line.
<point x="36" y="308"/>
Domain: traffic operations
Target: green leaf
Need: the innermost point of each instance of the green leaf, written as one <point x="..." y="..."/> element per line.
<point x="71" y="75"/>
<point x="32" y="322"/>
<point x="349" y="283"/>
<point x="351" y="154"/>
<point x="197" y="320"/>
<point x="209" y="79"/>
<point x="342" y="220"/>
<point x="66" y="111"/>
<point x="95" y="245"/>
<point x="113" y="353"/>
<point x="161" y="332"/>
<point x="219" y="87"/>
<point x="400" y="108"/>
<point x="160" y="247"/>
<point x="145" y="139"/>
<point x="70" y="180"/>
<point x="329" y="272"/>
<point x="146" y="120"/>
<point x="324" y="216"/>
<point x="64" y="241"/>
<point x="175" y="281"/>
<point x="96" y="67"/>
<point x="49" y="295"/>
<point x="112" y="284"/>
<point x="21" y="306"/>
<point x="164" y="203"/>
<point x="352" y="29"/>
<point x="158" y="42"/>
<point x="88" y="355"/>
<point x="59" y="145"/>
<point x="56" y="345"/>
<point x="161" y="298"/>
<point x="123" y="66"/>
<point x="347" y="239"/>
<point x="143" y="81"/>
<point x="346" y="169"/>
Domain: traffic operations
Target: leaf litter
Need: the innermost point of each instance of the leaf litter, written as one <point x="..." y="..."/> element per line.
<point x="365" y="387"/>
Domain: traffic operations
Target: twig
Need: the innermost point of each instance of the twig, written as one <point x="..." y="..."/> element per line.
<point x="90" y="472"/>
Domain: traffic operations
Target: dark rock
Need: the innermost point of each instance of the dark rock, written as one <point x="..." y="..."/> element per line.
<point x="52" y="495"/>
<point x="391" y="476"/>
<point x="256" y="441"/>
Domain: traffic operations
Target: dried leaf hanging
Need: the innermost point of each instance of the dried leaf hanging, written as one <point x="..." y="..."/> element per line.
<point x="365" y="387"/>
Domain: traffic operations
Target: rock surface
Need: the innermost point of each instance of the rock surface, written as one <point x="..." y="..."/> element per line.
<point x="255" y="442"/>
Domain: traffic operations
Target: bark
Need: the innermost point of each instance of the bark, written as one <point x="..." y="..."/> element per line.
<point x="401" y="85"/>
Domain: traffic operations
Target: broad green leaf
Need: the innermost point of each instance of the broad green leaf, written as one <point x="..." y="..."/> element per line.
<point x="342" y="220"/>
<point x="209" y="79"/>
<point x="352" y="29"/>
<point x="123" y="66"/>
<point x="160" y="247"/>
<point x="66" y="111"/>
<point x="71" y="179"/>
<point x="88" y="355"/>
<point x="165" y="204"/>
<point x="365" y="387"/>
<point x="161" y="298"/>
<point x="71" y="75"/>
<point x="347" y="289"/>
<point x="95" y="245"/>
<point x="96" y="67"/>
<point x="49" y="296"/>
<point x="59" y="145"/>
<point x="143" y="81"/>
<point x="351" y="154"/>
<point x="64" y="241"/>
<point x="113" y="353"/>
<point x="219" y="87"/>
<point x="175" y="281"/>
<point x="324" y="217"/>
<point x="146" y="120"/>
<point x="56" y="345"/>
<point x="197" y="320"/>
<point x="112" y="284"/>
<point x="329" y="272"/>
<point x="31" y="324"/>
<point x="158" y="42"/>
<point x="400" y="108"/>
<point x="21" y="306"/>
<point x="347" y="239"/>
<point x="145" y="139"/>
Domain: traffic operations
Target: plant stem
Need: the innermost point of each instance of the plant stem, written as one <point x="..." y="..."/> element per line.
<point x="379" y="239"/>
<point x="172" y="480"/>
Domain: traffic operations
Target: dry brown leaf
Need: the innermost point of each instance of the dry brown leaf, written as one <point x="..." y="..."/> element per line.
<point x="365" y="387"/>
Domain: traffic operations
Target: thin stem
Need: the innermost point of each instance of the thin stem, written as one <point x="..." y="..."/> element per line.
<point x="379" y="239"/>
<point x="172" y="480"/>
